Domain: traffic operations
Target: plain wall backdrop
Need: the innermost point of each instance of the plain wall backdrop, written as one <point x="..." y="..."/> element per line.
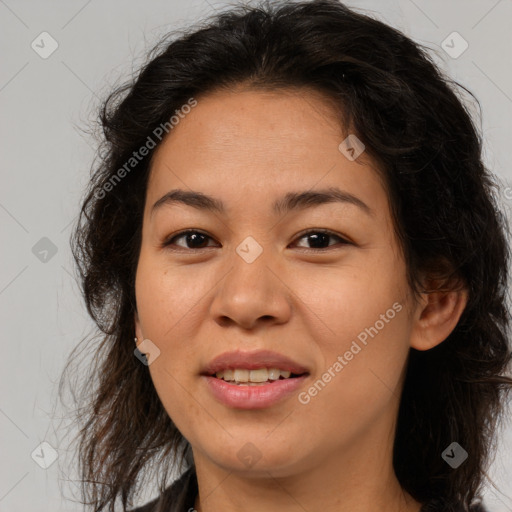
<point x="59" y="60"/>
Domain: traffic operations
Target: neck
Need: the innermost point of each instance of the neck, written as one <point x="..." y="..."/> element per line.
<point x="359" y="478"/>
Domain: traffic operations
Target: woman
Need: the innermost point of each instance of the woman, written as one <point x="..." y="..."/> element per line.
<point x="292" y="219"/>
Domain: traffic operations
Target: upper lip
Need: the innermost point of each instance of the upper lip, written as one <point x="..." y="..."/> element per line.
<point x="252" y="361"/>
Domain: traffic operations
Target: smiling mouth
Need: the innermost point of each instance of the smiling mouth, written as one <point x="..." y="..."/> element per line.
<point x="261" y="376"/>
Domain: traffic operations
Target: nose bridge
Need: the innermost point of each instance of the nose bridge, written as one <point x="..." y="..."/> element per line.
<point x="250" y="263"/>
<point x="250" y="290"/>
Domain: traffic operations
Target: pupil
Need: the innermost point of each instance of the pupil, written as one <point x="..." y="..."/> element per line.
<point x="194" y="237"/>
<point x="319" y="238"/>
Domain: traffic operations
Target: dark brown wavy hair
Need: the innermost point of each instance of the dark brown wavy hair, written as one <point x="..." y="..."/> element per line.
<point x="416" y="125"/>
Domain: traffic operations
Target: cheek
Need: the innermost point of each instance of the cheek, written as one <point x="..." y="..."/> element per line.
<point x="362" y="336"/>
<point x="165" y="295"/>
<point x="344" y="299"/>
<point x="175" y="391"/>
<point x="165" y="305"/>
<point x="360" y="382"/>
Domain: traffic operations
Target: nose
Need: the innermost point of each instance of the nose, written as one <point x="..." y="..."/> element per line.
<point x="251" y="294"/>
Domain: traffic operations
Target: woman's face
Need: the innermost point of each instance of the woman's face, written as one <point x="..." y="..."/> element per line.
<point x="252" y="279"/>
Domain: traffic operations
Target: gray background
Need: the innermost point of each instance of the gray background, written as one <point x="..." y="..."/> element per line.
<point x="45" y="162"/>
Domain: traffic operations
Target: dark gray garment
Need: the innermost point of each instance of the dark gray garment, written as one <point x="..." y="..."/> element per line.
<point x="179" y="497"/>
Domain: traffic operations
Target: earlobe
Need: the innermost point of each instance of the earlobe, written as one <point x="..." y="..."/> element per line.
<point x="437" y="316"/>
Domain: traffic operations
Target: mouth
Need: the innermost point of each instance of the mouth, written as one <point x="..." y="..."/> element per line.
<point x="255" y="366"/>
<point x="253" y="380"/>
<point x="257" y="377"/>
<point x="253" y="395"/>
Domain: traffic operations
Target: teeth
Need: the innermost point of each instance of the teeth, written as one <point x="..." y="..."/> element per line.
<point x="228" y="375"/>
<point x="252" y="376"/>
<point x="273" y="373"/>
<point x="241" y="375"/>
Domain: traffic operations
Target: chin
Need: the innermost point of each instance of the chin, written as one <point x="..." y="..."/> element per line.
<point x="256" y="459"/>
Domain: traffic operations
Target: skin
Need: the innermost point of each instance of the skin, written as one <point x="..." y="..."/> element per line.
<point x="249" y="148"/>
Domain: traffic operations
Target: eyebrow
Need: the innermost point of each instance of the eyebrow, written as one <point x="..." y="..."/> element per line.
<point x="292" y="201"/>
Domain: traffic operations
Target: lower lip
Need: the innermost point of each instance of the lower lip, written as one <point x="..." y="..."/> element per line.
<point x="253" y="397"/>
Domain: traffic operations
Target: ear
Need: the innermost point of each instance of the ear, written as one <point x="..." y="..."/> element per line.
<point x="138" y="328"/>
<point x="437" y="313"/>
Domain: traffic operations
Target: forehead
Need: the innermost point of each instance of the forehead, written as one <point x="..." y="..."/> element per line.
<point x="249" y="143"/>
<point x="277" y="125"/>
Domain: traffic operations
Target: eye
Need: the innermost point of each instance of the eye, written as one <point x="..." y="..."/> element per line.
<point x="319" y="237"/>
<point x="192" y="236"/>
<point x="197" y="239"/>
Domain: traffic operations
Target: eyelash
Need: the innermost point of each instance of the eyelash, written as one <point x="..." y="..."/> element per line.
<point x="168" y="243"/>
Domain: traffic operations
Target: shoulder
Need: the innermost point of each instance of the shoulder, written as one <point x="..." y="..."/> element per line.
<point x="178" y="497"/>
